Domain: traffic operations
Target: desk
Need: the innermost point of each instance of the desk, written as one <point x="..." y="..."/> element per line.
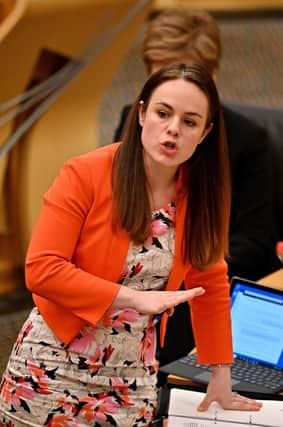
<point x="273" y="280"/>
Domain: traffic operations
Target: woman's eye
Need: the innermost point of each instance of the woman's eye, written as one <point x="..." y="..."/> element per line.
<point x="162" y="114"/>
<point x="189" y="122"/>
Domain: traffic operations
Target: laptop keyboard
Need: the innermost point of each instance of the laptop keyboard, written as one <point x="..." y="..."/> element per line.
<point x="246" y="371"/>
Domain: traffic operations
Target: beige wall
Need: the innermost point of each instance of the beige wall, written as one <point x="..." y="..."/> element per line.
<point x="69" y="127"/>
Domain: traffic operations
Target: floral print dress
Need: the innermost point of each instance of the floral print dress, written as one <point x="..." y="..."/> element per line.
<point x="107" y="375"/>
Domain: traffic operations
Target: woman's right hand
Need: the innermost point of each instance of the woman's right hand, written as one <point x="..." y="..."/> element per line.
<point x="153" y="302"/>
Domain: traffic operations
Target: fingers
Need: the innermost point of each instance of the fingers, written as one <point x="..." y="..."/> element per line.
<point x="188" y="295"/>
<point x="236" y="403"/>
<point x="175" y="298"/>
<point x="204" y="404"/>
<point x="242" y="403"/>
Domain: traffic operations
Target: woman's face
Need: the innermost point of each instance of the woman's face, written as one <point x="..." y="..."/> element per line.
<point x="174" y="123"/>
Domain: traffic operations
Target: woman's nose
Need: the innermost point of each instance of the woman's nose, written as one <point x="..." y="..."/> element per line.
<point x="174" y="126"/>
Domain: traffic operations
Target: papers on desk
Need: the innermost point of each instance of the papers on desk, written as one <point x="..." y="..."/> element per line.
<point x="183" y="413"/>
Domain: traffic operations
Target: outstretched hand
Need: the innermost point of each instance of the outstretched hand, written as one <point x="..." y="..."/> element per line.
<point x="153" y="302"/>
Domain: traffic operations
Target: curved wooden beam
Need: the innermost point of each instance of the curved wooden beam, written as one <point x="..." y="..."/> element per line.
<point x="222" y="5"/>
<point x="11" y="12"/>
<point x="68" y="127"/>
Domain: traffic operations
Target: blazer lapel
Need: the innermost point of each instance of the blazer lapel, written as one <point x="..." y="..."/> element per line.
<point x="179" y="269"/>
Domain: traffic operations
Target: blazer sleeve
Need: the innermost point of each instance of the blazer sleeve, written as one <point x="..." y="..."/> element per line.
<point x="50" y="269"/>
<point x="210" y="314"/>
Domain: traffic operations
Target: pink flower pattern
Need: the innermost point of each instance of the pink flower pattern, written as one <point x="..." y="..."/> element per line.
<point x="83" y="340"/>
<point x="123" y="343"/>
<point x="119" y="319"/>
<point x="148" y="344"/>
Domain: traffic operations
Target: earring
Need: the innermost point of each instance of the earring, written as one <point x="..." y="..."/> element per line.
<point x="141" y="104"/>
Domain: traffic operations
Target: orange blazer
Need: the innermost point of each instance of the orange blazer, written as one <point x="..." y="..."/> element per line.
<point x="75" y="259"/>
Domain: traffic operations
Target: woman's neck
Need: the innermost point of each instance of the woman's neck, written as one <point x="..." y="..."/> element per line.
<point x="162" y="186"/>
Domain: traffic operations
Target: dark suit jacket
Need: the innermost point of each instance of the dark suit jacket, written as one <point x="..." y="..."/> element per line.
<point x="272" y="121"/>
<point x="252" y="236"/>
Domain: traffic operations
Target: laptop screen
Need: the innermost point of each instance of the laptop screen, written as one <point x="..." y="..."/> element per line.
<point x="257" y="323"/>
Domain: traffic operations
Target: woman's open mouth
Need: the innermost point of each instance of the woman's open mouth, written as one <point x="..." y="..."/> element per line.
<point x="169" y="147"/>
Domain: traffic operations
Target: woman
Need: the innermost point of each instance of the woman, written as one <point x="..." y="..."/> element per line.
<point x="120" y="229"/>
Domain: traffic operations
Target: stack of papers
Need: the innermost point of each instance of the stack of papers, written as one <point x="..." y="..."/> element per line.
<point x="183" y="413"/>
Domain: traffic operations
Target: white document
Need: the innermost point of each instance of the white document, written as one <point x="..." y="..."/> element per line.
<point x="183" y="413"/>
<point x="190" y="422"/>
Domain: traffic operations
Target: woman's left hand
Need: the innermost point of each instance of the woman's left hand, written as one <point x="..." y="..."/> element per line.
<point x="219" y="390"/>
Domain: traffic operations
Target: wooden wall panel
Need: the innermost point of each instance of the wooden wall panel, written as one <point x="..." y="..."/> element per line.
<point x="69" y="126"/>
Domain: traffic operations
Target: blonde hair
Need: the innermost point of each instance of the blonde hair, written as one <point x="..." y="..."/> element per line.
<point x="182" y="33"/>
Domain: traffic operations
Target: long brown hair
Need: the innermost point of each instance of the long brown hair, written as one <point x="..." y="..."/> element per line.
<point x="205" y="235"/>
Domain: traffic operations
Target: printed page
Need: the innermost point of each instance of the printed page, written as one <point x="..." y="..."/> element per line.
<point x="191" y="422"/>
<point x="183" y="403"/>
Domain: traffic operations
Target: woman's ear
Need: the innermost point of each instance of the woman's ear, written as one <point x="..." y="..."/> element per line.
<point x="206" y="132"/>
<point x="141" y="113"/>
<point x="214" y="74"/>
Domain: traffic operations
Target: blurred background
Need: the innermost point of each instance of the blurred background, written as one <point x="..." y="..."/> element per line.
<point x="251" y="65"/>
<point x="96" y="46"/>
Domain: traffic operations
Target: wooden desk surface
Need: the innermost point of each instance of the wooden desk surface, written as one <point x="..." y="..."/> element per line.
<point x="274" y="280"/>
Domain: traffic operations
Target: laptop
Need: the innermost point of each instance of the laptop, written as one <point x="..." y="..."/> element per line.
<point x="257" y="329"/>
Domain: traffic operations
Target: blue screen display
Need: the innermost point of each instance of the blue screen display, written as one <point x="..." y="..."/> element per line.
<point x="257" y="324"/>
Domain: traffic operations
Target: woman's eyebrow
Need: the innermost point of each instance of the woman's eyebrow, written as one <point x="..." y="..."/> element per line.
<point x="190" y="113"/>
<point x="164" y="104"/>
